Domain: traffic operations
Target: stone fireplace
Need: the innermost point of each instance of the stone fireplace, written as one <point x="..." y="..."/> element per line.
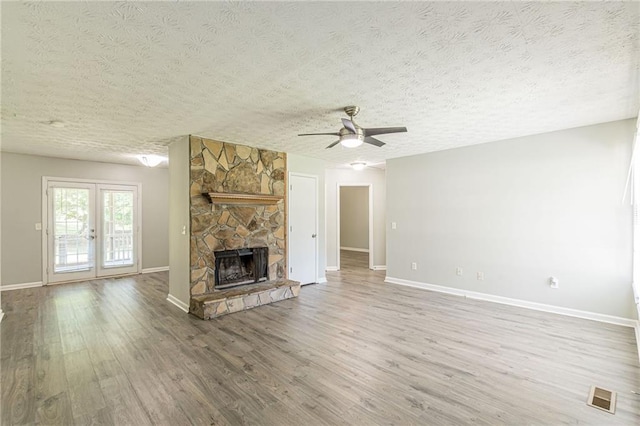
<point x="237" y="204"/>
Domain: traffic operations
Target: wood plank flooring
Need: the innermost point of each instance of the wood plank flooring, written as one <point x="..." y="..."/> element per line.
<point x="353" y="351"/>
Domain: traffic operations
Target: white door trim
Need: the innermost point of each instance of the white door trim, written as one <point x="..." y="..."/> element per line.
<point x="317" y="260"/>
<point x="44" y="216"/>
<point x="338" y="243"/>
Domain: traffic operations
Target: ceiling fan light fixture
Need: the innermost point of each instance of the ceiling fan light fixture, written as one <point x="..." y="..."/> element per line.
<point x="352" y="136"/>
<point x="359" y="165"/>
<point x="351" y="140"/>
<point x="150" y="160"/>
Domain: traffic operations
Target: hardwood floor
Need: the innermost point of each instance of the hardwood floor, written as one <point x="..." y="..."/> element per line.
<point x="353" y="351"/>
<point x="353" y="260"/>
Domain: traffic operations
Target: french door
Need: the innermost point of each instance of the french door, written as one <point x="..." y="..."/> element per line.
<point x="92" y="230"/>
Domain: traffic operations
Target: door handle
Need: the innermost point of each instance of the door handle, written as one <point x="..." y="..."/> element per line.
<point x="313" y="235"/>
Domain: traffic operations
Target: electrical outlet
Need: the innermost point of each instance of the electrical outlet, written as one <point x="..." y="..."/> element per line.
<point x="38" y="227"/>
<point x="459" y="271"/>
<point x="480" y="276"/>
<point x="414" y="266"/>
<point x="394" y="225"/>
<point x="553" y="282"/>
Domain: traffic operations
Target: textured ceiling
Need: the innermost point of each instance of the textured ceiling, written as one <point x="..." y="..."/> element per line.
<point x="128" y="78"/>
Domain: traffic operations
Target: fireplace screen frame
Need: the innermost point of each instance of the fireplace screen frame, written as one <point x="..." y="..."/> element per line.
<point x="251" y="260"/>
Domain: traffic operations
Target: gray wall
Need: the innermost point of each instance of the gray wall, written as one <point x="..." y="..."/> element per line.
<point x="22" y="209"/>
<point x="315" y="167"/>
<point x="354" y="217"/>
<point x="179" y="279"/>
<point x="373" y="176"/>
<point x="520" y="211"/>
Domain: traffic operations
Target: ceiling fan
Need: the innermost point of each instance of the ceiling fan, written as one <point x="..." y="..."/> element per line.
<point x="352" y="135"/>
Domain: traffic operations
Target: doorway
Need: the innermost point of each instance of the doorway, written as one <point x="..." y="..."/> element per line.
<point x="355" y="226"/>
<point x="303" y="228"/>
<point x="91" y="230"/>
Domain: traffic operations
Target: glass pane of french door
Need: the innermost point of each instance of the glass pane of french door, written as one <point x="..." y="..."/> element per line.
<point x="72" y="232"/>
<point x="118" y="237"/>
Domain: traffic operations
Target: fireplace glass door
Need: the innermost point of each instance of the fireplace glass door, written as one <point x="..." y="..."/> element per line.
<point x="241" y="266"/>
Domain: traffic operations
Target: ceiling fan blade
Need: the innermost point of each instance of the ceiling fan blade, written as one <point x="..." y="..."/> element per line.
<point x="383" y="130"/>
<point x="317" y="134"/>
<point x="373" y="141"/>
<point x="349" y="125"/>
<point x="333" y="144"/>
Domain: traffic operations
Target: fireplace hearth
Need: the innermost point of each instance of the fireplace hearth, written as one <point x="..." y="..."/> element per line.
<point x="240" y="267"/>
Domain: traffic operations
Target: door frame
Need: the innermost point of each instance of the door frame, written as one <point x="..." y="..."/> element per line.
<point x="371" y="239"/>
<point x="317" y="258"/>
<point x="45" y="218"/>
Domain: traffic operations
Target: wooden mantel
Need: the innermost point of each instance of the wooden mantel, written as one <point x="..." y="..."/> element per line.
<point x="226" y="198"/>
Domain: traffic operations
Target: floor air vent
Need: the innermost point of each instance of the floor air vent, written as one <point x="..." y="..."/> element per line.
<point x="602" y="399"/>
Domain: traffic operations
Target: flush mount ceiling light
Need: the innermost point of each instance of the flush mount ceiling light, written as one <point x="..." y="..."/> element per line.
<point x="359" y="165"/>
<point x="150" y="160"/>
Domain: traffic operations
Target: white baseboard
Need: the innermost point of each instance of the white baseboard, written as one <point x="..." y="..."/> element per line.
<point x="355" y="249"/>
<point x="331" y="269"/>
<point x="594" y="316"/>
<point x="179" y="303"/>
<point x="379" y="267"/>
<point x="151" y="270"/>
<point x="321" y="280"/>
<point x="20" y="286"/>
<point x="1" y="315"/>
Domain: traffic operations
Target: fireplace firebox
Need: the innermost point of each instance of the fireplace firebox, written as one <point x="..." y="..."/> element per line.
<point x="241" y="266"/>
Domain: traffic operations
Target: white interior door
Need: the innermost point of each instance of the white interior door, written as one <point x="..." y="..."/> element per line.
<point x="303" y="228"/>
<point x="92" y="230"/>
